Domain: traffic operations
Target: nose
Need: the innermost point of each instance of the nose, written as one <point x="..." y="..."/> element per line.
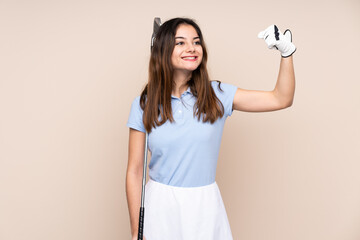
<point x="190" y="48"/>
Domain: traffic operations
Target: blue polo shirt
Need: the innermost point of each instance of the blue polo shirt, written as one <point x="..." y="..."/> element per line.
<point x="184" y="153"/>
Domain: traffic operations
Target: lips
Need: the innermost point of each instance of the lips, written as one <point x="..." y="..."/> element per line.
<point x="190" y="58"/>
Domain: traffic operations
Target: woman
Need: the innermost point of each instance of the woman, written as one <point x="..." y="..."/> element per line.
<point x="184" y="113"/>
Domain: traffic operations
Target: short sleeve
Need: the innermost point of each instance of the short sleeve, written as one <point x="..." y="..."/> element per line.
<point x="226" y="95"/>
<point x="135" y="120"/>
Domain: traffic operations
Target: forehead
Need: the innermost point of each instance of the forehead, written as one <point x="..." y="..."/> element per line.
<point x="187" y="31"/>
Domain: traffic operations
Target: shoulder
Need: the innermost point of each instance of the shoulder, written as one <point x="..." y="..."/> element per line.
<point x="221" y="88"/>
<point x="136" y="100"/>
<point x="225" y="93"/>
<point x="135" y="119"/>
<point x="136" y="103"/>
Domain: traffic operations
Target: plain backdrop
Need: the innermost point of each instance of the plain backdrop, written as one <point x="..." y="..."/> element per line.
<point x="69" y="71"/>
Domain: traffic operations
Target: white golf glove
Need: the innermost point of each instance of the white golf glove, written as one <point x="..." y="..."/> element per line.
<point x="275" y="39"/>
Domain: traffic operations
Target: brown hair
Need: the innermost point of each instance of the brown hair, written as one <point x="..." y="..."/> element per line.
<point x="155" y="99"/>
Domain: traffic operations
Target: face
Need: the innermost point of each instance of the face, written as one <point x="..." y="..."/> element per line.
<point x="187" y="54"/>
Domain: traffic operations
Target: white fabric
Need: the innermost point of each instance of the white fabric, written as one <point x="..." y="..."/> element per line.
<point x="275" y="39"/>
<point x="185" y="213"/>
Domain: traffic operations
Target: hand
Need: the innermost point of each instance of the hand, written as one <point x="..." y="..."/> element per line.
<point x="275" y="39"/>
<point x="136" y="237"/>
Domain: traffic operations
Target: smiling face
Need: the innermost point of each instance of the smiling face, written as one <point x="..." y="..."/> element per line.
<point x="187" y="54"/>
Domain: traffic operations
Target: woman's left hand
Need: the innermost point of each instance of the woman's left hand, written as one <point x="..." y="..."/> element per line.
<point x="275" y="39"/>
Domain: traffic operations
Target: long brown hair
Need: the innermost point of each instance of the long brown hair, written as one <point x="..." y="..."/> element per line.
<point x="155" y="99"/>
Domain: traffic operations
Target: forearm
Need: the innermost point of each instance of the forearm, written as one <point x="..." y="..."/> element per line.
<point x="133" y="193"/>
<point x="285" y="85"/>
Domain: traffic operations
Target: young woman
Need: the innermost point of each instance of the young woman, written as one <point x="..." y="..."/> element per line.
<point x="184" y="113"/>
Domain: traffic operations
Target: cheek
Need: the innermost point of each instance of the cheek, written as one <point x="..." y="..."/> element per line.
<point x="201" y="56"/>
<point x="201" y="60"/>
<point x="173" y="57"/>
<point x="201" y="52"/>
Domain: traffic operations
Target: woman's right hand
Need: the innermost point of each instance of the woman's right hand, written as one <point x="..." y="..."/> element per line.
<point x="136" y="237"/>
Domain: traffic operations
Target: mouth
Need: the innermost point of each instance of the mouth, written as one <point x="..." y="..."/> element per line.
<point x="190" y="58"/>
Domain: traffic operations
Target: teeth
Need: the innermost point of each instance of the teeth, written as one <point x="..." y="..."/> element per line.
<point x="189" y="57"/>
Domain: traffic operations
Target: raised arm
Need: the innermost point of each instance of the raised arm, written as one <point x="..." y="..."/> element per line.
<point x="283" y="94"/>
<point x="264" y="101"/>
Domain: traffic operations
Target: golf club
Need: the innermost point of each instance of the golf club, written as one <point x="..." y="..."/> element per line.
<point x="157" y="23"/>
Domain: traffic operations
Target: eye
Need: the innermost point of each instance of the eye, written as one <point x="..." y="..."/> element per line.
<point x="198" y="43"/>
<point x="179" y="43"/>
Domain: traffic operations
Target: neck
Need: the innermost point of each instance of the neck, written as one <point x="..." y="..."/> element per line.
<point x="181" y="82"/>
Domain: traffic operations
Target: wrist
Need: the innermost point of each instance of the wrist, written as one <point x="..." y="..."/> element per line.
<point x="288" y="54"/>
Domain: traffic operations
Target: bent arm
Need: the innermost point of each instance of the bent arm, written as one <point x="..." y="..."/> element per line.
<point x="264" y="101"/>
<point x="134" y="177"/>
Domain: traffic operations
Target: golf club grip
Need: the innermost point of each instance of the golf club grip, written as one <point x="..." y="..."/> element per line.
<point x="141" y="223"/>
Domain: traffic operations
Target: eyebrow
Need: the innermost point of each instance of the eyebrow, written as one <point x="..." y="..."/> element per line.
<point x="185" y="38"/>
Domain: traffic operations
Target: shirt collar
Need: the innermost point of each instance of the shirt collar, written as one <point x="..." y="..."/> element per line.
<point x="187" y="91"/>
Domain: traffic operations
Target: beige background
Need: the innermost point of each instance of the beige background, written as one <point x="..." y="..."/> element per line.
<point x="69" y="71"/>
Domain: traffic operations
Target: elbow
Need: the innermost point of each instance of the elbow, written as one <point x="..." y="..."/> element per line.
<point x="285" y="103"/>
<point x="133" y="178"/>
<point x="288" y="103"/>
<point x="283" y="100"/>
<point x="134" y="172"/>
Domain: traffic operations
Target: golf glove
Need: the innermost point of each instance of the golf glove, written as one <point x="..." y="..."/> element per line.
<point x="275" y="39"/>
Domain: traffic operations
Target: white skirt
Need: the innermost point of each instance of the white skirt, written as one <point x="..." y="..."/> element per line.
<point x="179" y="213"/>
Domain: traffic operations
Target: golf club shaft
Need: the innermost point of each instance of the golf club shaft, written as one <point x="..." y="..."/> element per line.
<point x="142" y="208"/>
<point x="157" y="23"/>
